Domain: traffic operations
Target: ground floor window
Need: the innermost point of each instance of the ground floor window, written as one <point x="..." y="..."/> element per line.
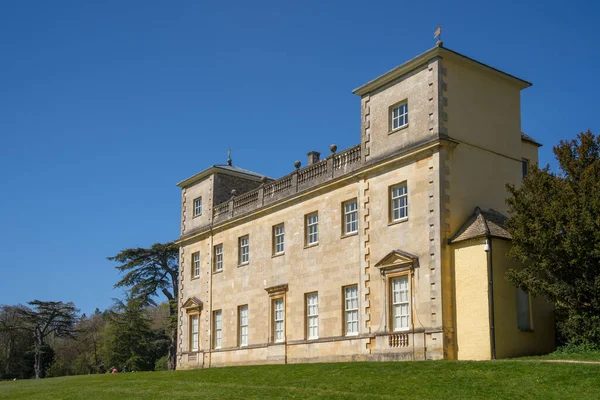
<point x="218" y="329"/>
<point x="400" y="302"/>
<point x="523" y="311"/>
<point x="351" y="310"/>
<point x="312" y="316"/>
<point x="278" y="321"/>
<point x="194" y="332"/>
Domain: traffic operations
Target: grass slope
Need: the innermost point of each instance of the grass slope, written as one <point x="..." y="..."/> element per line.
<point x="414" y="380"/>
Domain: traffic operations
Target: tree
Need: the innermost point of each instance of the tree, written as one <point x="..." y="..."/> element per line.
<point x="14" y="344"/>
<point x="129" y="339"/>
<point x="555" y="225"/>
<point x="44" y="319"/>
<point x="148" y="271"/>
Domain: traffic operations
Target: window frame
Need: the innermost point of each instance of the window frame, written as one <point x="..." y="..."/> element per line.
<point x="345" y="331"/>
<point x="196" y="265"/>
<point x="191" y="318"/>
<point x="197" y="209"/>
<point x="275" y="238"/>
<point x="524" y="167"/>
<point x="345" y="214"/>
<point x="520" y="294"/>
<point x="216" y="255"/>
<point x="391" y="204"/>
<point x="274" y="320"/>
<point x="391" y="304"/>
<point x="241" y="252"/>
<point x="307" y="229"/>
<point x="241" y="326"/>
<point x="217" y="340"/>
<point x="309" y="316"/>
<point x="403" y="115"/>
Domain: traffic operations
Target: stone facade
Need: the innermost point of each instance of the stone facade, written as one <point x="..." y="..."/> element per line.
<point x="380" y="288"/>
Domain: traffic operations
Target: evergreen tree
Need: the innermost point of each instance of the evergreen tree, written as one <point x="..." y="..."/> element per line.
<point x="555" y="225"/>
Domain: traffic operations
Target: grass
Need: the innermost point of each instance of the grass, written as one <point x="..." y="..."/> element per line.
<point x="415" y="380"/>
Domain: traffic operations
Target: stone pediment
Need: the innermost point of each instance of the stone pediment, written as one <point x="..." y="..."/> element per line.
<point x="397" y="259"/>
<point x="193" y="304"/>
<point x="277" y="289"/>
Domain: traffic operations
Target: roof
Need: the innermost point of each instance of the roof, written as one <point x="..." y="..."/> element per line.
<point x="483" y="224"/>
<point x="437" y="51"/>
<point x="223" y="168"/>
<point x="527" y="138"/>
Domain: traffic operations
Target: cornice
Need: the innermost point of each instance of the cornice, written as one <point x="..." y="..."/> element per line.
<point x="426" y="57"/>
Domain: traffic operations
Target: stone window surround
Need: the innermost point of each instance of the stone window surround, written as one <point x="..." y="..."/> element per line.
<point x="195" y="275"/>
<point x="275" y="237"/>
<point x="391" y="220"/>
<point x="307" y="242"/>
<point x="344" y="310"/>
<point x="345" y="233"/>
<point x="391" y="109"/>
<point x="241" y="262"/>
<point x="215" y="254"/>
<point x="277" y="292"/>
<point x="197" y="207"/>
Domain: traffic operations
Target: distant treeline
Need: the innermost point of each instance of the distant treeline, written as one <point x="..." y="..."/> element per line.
<point x="50" y="339"/>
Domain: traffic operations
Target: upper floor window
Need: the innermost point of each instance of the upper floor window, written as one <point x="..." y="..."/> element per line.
<point x="351" y="310"/>
<point x="350" y="217"/>
<point x="219" y="258"/>
<point x="244" y="250"/>
<point x="217" y="329"/>
<point x="312" y="316"/>
<point x="196" y="265"/>
<point x="312" y="228"/>
<point x="399" y="202"/>
<point x="198" y="206"/>
<point x="278" y="239"/>
<point x="524" y="167"/>
<point x="243" y="325"/>
<point x="278" y="321"/>
<point x="399" y="115"/>
<point x="400" y="303"/>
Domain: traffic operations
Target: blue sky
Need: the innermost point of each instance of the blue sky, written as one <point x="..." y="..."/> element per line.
<point x="105" y="107"/>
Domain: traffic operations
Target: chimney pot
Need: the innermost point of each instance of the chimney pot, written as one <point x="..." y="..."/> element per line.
<point x="313" y="157"/>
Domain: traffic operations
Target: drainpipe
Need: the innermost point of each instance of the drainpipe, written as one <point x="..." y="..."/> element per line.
<point x="488" y="249"/>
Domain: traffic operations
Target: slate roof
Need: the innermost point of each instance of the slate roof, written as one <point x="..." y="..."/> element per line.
<point x="240" y="170"/>
<point x="527" y="138"/>
<point x="482" y="224"/>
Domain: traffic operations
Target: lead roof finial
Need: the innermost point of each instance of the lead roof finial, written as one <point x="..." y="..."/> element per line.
<point x="229" y="162"/>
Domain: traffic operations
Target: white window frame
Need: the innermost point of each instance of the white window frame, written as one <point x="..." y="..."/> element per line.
<point x="312" y="315"/>
<point x="278" y="320"/>
<point x="312" y="229"/>
<point x="217" y="329"/>
<point x="351" y="310"/>
<point x="400" y="303"/>
<point x="197" y="206"/>
<point x="399" y="202"/>
<point x="194" y="332"/>
<point x="243" y="325"/>
<point x="350" y="223"/>
<point x="196" y="264"/>
<point x="218" y="258"/>
<point x="278" y="239"/>
<point x="244" y="249"/>
<point x="399" y="115"/>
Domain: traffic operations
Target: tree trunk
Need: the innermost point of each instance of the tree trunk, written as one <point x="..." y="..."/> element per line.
<point x="173" y="325"/>
<point x="38" y="367"/>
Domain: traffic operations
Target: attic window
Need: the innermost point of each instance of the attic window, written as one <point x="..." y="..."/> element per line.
<point x="198" y="206"/>
<point x="399" y="115"/>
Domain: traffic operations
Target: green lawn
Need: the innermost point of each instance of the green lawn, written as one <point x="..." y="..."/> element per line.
<point x="414" y="380"/>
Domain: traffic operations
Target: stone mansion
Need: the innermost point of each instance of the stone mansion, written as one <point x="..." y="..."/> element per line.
<point x="394" y="249"/>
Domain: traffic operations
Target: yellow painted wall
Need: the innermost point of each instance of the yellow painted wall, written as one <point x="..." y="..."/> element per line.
<point x="510" y="341"/>
<point x="472" y="310"/>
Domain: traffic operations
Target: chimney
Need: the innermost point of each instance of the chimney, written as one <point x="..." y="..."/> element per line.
<point x="313" y="157"/>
